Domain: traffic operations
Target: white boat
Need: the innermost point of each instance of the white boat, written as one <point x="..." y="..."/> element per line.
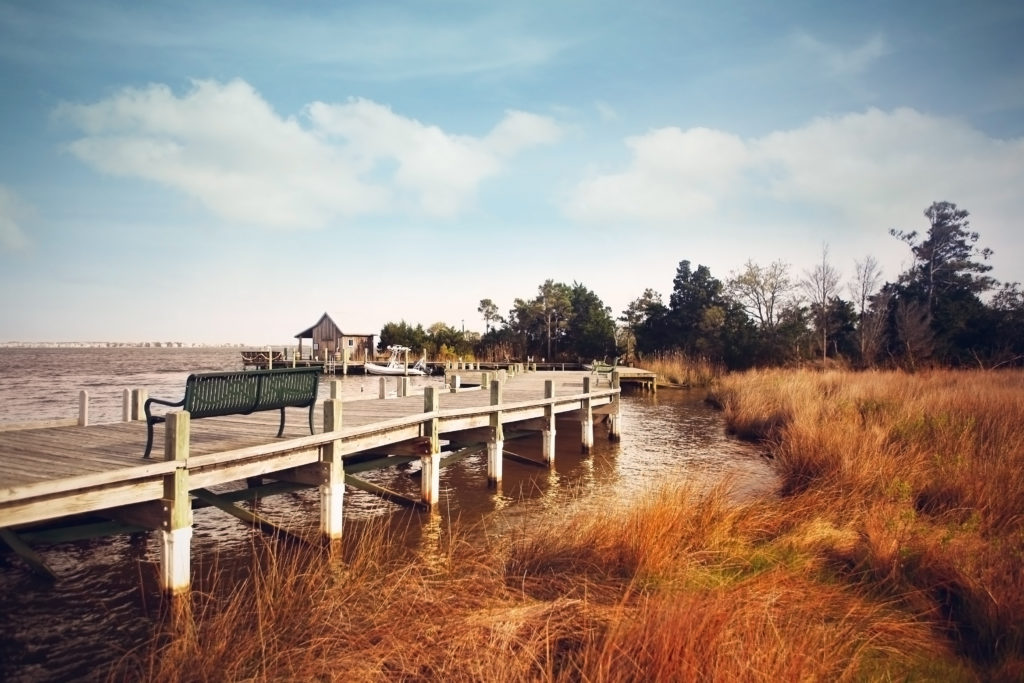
<point x="395" y="366"/>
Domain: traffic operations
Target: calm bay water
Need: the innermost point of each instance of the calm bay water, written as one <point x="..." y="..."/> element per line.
<point x="106" y="601"/>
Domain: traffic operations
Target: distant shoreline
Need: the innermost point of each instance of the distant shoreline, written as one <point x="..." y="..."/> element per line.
<point x="125" y="345"/>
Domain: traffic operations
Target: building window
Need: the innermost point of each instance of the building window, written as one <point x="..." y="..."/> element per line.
<point x="351" y="342"/>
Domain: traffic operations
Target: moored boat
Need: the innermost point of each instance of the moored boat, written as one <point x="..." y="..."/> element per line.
<point x="395" y="366"/>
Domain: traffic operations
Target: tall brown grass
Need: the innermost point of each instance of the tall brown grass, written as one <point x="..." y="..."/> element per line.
<point x="679" y="369"/>
<point x="892" y="552"/>
<point x="925" y="471"/>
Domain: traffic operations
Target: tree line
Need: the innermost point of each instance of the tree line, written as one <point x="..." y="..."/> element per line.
<point x="944" y="309"/>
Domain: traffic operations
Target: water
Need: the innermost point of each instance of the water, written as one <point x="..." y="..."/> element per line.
<point x="106" y="600"/>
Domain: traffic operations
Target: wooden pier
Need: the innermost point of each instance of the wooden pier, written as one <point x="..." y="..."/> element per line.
<point x="59" y="472"/>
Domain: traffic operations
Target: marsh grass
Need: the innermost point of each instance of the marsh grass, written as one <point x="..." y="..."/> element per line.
<point x="925" y="470"/>
<point x="893" y="553"/>
<point x="680" y="370"/>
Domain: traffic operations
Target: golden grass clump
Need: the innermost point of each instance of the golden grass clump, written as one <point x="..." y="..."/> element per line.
<point x="925" y="468"/>
<point x="680" y="370"/>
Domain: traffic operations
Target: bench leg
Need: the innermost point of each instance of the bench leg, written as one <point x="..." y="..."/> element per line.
<point x="311" y="408"/>
<point x="280" y="430"/>
<point x="149" y="438"/>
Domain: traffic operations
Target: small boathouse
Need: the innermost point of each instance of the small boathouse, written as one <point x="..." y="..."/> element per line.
<point x="327" y="341"/>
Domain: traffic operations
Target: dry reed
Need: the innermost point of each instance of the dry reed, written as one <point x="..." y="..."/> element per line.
<point x="680" y="370"/>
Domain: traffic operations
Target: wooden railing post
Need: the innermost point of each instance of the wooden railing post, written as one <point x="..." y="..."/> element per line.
<point x="83" y="408"/>
<point x="430" y="481"/>
<point x="383" y="393"/>
<point x="613" y="417"/>
<point x="126" y="406"/>
<point x="138" y="402"/>
<point x="587" y="418"/>
<point x="176" y="531"/>
<point x="332" y="486"/>
<point x="496" y="440"/>
<point x="549" y="424"/>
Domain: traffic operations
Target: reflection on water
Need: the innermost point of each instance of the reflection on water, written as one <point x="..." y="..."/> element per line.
<point x="106" y="600"/>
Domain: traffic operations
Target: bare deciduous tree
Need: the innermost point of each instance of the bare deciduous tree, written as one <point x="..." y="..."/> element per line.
<point x="762" y="291"/>
<point x="820" y="285"/>
<point x="867" y="275"/>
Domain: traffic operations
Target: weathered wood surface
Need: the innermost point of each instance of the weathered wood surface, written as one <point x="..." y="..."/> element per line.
<point x="49" y="473"/>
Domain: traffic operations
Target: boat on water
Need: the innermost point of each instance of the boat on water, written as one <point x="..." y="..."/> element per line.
<point x="397" y="364"/>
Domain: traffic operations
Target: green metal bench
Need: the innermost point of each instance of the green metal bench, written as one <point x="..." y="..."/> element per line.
<point x="214" y="394"/>
<point x="602" y="369"/>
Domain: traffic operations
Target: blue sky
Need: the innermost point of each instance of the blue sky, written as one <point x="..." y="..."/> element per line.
<point x="227" y="172"/>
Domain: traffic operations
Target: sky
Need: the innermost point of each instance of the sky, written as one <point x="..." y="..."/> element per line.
<point x="228" y="172"/>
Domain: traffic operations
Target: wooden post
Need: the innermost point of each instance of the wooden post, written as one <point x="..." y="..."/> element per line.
<point x="586" y="418"/>
<point x="270" y="358"/>
<point x="549" y="423"/>
<point x="430" y="480"/>
<point x="126" y="406"/>
<point x="176" y="531"/>
<point x="344" y="362"/>
<point x="83" y="408"/>
<point x="613" y="417"/>
<point x="139" y="397"/>
<point x="332" y="487"/>
<point x="456" y="383"/>
<point x="383" y="387"/>
<point x="496" y="441"/>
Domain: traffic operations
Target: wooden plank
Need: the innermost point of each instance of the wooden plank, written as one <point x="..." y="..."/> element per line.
<point x="85" y="481"/>
<point x="26" y="553"/>
<point x="384" y="493"/>
<point x="42" y="424"/>
<point x="241" y="513"/>
<point x="523" y="459"/>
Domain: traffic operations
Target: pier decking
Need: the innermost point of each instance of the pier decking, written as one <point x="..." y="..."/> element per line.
<point x="57" y="472"/>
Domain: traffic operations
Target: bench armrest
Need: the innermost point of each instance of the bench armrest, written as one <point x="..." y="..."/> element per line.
<point x="162" y="402"/>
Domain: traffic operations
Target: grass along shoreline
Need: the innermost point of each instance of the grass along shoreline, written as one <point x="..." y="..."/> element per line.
<point x="676" y="369"/>
<point x="893" y="551"/>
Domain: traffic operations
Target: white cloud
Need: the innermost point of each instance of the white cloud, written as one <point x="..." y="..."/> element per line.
<point x="223" y="145"/>
<point x="441" y="170"/>
<point x="674" y="175"/>
<point x="869" y="170"/>
<point x="12" y="212"/>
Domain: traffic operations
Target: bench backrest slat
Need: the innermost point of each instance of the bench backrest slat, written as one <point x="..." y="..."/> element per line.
<point x="288" y="389"/>
<point x="214" y="394"/>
